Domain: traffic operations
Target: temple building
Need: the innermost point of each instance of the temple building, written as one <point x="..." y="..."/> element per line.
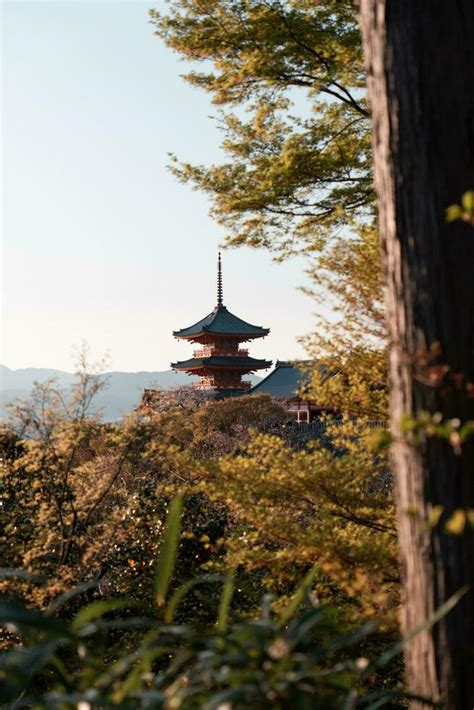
<point x="287" y="383"/>
<point x="220" y="362"/>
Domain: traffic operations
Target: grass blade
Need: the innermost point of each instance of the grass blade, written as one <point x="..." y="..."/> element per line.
<point x="398" y="647"/>
<point x="96" y="610"/>
<point x="17" y="617"/>
<point x="183" y="590"/>
<point x="298" y="597"/>
<point x="64" y="598"/>
<point x="225" y="602"/>
<point x="168" y="551"/>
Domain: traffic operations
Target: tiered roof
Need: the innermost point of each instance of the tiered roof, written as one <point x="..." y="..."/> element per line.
<point x="222" y="322"/>
<point x="241" y="363"/>
<point x="221" y="362"/>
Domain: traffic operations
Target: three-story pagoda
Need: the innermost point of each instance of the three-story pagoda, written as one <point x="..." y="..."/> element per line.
<point x="221" y="362"/>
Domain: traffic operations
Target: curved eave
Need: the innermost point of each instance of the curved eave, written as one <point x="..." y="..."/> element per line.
<point x="207" y="331"/>
<point x="221" y="322"/>
<point x="243" y="364"/>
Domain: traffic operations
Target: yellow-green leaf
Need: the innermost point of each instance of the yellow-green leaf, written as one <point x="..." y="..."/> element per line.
<point x="468" y="201"/>
<point x="453" y="213"/>
<point x="456" y="522"/>
<point x="168" y="551"/>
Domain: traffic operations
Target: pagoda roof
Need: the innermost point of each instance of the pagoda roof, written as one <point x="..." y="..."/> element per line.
<point x="239" y="363"/>
<point x="284" y="381"/>
<point x="222" y="322"/>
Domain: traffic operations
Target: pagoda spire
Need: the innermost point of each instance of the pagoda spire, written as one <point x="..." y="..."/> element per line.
<point x="220" y="362"/>
<point x="219" y="281"/>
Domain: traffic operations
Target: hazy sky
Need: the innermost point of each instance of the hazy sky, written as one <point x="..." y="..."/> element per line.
<point x="100" y="242"/>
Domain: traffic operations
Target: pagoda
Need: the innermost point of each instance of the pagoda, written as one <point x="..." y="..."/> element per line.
<point x="221" y="362"/>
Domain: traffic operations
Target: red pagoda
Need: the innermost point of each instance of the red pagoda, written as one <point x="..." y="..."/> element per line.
<point x="221" y="363"/>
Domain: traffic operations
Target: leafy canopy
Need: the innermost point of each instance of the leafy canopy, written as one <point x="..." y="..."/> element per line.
<point x="288" y="79"/>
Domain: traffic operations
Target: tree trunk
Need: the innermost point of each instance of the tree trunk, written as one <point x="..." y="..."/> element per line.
<point x="420" y="62"/>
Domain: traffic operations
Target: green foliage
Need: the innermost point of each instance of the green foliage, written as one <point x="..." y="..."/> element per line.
<point x="328" y="504"/>
<point x="298" y="166"/>
<point x="168" y="551"/>
<point x="86" y="501"/>
<point x="254" y="664"/>
<point x="426" y="425"/>
<point x="464" y="211"/>
<point x="255" y="503"/>
<point x="225" y="602"/>
<point x="350" y="330"/>
<point x="295" y="661"/>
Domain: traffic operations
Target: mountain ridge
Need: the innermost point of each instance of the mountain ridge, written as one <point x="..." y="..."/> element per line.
<point x="121" y="394"/>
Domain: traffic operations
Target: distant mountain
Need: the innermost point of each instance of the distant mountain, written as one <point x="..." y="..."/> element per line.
<point x="122" y="394"/>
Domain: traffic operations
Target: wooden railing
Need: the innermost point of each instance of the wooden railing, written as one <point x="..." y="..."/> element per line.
<point x="208" y="384"/>
<point x="216" y="352"/>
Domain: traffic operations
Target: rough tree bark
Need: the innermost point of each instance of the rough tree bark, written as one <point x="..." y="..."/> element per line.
<point x="420" y="62"/>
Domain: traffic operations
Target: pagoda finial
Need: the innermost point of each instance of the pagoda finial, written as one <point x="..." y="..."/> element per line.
<point x="219" y="281"/>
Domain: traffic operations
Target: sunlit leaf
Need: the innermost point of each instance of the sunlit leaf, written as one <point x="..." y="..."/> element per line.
<point x="96" y="610"/>
<point x="468" y="201"/>
<point x="298" y="596"/>
<point x="456" y="523"/>
<point x="225" y="602"/>
<point x="168" y="551"/>
<point x="453" y="213"/>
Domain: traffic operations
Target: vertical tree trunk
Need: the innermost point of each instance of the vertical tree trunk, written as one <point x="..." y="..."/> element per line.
<point x="420" y="62"/>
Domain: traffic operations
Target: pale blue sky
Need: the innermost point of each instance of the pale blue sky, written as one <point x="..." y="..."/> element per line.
<point x="100" y="242"/>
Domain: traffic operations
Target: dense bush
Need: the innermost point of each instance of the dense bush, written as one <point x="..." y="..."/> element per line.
<point x="85" y="501"/>
<point x="299" y="658"/>
<point x="84" y="505"/>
